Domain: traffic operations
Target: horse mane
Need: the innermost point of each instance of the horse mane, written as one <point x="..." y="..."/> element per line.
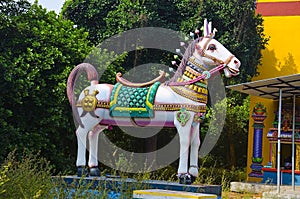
<point x="187" y="54"/>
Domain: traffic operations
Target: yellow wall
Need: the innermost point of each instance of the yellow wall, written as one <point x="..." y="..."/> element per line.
<point x="282" y="57"/>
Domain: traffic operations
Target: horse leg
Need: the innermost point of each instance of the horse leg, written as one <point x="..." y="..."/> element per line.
<point x="184" y="139"/>
<point x="93" y="153"/>
<point x="81" y="134"/>
<point x="195" y="143"/>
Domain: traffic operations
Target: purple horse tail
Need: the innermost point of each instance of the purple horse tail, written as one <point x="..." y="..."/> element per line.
<point x="92" y="75"/>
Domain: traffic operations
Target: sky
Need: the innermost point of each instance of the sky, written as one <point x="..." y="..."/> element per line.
<point x="51" y="4"/>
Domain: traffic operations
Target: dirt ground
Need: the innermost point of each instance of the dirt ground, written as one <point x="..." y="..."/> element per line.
<point x="234" y="195"/>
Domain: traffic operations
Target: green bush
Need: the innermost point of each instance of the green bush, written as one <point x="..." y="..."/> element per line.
<point x="29" y="177"/>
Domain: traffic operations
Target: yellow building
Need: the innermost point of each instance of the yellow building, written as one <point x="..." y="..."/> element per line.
<point x="281" y="58"/>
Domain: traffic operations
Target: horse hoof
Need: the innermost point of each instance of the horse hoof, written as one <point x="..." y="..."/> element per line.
<point x="82" y="171"/>
<point x="193" y="179"/>
<point x="94" y="171"/>
<point x="185" y="179"/>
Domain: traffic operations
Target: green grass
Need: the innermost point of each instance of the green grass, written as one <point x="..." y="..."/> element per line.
<point x="30" y="176"/>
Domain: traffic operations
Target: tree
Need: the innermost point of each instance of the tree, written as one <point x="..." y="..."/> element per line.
<point x="38" y="50"/>
<point x="103" y="19"/>
<point x="231" y="149"/>
<point x="239" y="27"/>
<point x="90" y="15"/>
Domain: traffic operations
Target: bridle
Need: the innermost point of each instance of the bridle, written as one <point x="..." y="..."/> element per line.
<point x="206" y="74"/>
<point x="202" y="51"/>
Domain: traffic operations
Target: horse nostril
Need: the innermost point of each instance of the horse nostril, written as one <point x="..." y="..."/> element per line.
<point x="235" y="61"/>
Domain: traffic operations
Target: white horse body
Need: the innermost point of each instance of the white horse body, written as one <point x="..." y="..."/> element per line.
<point x="208" y="52"/>
<point x="164" y="95"/>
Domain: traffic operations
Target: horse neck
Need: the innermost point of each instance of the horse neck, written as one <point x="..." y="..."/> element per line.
<point x="193" y="69"/>
<point x="196" y="91"/>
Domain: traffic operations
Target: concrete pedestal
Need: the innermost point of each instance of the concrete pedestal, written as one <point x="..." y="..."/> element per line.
<point x="119" y="187"/>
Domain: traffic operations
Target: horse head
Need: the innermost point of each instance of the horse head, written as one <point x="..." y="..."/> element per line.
<point x="212" y="53"/>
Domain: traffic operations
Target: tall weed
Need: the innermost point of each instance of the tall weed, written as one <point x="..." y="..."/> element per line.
<point x="219" y="176"/>
<point x="29" y="177"/>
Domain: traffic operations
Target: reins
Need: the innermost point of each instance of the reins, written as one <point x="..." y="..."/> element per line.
<point x="204" y="75"/>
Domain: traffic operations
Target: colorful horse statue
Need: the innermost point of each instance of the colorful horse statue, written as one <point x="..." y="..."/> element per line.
<point x="179" y="102"/>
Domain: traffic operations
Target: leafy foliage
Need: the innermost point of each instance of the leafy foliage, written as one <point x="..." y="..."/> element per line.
<point x="239" y="28"/>
<point x="231" y="148"/>
<point x="90" y="15"/>
<point x="37" y="54"/>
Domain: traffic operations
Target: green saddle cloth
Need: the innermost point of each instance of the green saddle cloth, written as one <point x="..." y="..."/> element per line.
<point x="132" y="102"/>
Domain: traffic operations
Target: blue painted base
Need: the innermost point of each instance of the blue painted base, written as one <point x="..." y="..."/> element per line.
<point x="287" y="179"/>
<point x="270" y="177"/>
<point x="119" y="187"/>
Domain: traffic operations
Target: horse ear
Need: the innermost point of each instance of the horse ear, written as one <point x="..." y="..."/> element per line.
<point x="205" y="28"/>
<point x="209" y="28"/>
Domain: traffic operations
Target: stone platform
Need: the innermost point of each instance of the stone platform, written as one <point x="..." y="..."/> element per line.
<point x="118" y="186"/>
<point x="267" y="191"/>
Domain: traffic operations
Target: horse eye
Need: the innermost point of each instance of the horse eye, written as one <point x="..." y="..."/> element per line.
<point x="212" y="47"/>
